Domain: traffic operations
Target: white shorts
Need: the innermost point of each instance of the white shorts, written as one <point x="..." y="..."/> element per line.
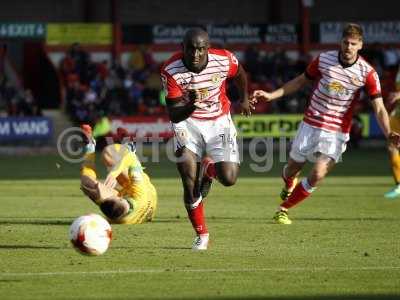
<point x="216" y="138"/>
<point x="311" y="140"/>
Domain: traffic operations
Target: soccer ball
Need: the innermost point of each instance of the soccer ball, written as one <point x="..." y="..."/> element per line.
<point x="90" y="234"/>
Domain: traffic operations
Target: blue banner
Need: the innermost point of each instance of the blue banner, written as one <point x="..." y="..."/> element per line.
<point x="25" y="128"/>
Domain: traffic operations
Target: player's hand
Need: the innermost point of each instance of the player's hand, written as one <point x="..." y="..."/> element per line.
<point x="195" y="98"/>
<point x="194" y="95"/>
<point x="394" y="139"/>
<point x="201" y="105"/>
<point x="110" y="181"/>
<point x="105" y="192"/>
<point x="260" y="95"/>
<point x="393" y="97"/>
<point x="246" y="108"/>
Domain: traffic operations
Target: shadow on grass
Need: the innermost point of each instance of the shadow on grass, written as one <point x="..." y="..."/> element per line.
<point x="321" y="297"/>
<point x="183" y="219"/>
<point x="9" y="280"/>
<point x="175" y="248"/>
<point x="16" y="247"/>
<point x="35" y="222"/>
<point x="383" y="219"/>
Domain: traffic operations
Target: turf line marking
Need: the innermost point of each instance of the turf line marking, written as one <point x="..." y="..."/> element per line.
<point x="198" y="271"/>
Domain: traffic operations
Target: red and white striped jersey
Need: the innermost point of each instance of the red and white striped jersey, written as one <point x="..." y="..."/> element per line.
<point x="337" y="89"/>
<point x="210" y="82"/>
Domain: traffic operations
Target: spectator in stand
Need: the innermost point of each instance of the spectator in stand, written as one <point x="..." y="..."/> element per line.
<point x="28" y="105"/>
<point x="252" y="62"/>
<point x="67" y="67"/>
<point x="102" y="70"/>
<point x="11" y="99"/>
<point x="81" y="60"/>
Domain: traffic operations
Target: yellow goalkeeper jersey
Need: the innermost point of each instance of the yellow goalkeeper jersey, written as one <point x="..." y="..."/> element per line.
<point x="139" y="191"/>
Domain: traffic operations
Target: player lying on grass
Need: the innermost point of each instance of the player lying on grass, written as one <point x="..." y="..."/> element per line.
<point x="127" y="196"/>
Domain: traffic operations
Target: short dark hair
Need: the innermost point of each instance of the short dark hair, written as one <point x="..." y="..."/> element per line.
<point x="113" y="208"/>
<point x="193" y="32"/>
<point x="352" y="30"/>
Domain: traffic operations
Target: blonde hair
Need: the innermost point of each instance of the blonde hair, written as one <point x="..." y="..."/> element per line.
<point x="352" y="30"/>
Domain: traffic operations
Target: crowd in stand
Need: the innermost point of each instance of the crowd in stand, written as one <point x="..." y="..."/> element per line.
<point x="17" y="102"/>
<point x="94" y="89"/>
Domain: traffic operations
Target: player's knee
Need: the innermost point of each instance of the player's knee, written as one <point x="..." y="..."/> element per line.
<point x="227" y="179"/>
<point x="227" y="175"/>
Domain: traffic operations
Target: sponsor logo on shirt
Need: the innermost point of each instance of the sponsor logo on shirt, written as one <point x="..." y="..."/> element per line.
<point x="335" y="88"/>
<point x="216" y="78"/>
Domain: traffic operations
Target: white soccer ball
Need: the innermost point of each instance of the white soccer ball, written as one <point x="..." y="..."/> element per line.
<point x="90" y="234"/>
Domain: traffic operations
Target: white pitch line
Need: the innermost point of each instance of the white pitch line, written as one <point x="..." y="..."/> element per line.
<point x="319" y="269"/>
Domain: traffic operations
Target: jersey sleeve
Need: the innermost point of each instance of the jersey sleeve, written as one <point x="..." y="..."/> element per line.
<point x="312" y="71"/>
<point x="170" y="86"/>
<point x="373" y="85"/>
<point x="233" y="64"/>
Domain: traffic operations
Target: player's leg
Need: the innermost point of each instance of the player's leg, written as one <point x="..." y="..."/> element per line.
<point x="88" y="168"/>
<point x="206" y="175"/>
<point x="227" y="172"/>
<point x="188" y="167"/>
<point x="189" y="148"/>
<point x="290" y="173"/>
<point x="223" y="151"/>
<point x="394" y="157"/>
<point x="89" y="149"/>
<point x="322" y="148"/>
<point x="305" y="187"/>
<point x="302" y="143"/>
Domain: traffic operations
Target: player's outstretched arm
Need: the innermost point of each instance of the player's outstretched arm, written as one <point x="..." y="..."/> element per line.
<point x="123" y="159"/>
<point x="288" y="88"/>
<point x="384" y="123"/>
<point x="393" y="97"/>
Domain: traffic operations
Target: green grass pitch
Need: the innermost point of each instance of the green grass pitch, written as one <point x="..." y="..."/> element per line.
<point x="344" y="242"/>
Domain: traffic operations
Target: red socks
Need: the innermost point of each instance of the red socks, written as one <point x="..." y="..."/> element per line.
<point x="196" y="216"/>
<point x="299" y="194"/>
<point x="210" y="170"/>
<point x="288" y="181"/>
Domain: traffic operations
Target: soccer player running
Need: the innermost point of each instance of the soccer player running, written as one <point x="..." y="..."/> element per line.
<point x="195" y="84"/>
<point x="338" y="78"/>
<point x="394" y="156"/>
<point x="127" y="196"/>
